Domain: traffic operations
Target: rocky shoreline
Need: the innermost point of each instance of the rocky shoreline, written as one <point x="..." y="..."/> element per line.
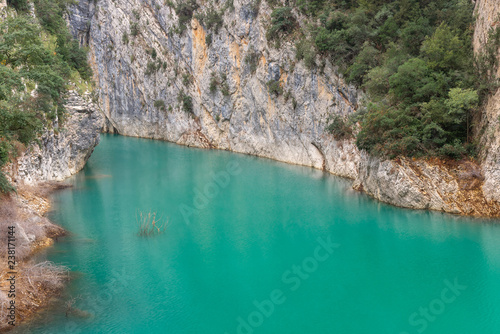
<point x="62" y="152"/>
<point x="33" y="284"/>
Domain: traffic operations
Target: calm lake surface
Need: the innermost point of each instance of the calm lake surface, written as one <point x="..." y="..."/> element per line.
<point x="273" y="248"/>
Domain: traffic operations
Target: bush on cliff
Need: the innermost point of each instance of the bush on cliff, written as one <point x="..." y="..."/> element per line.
<point x="37" y="58"/>
<point x="413" y="58"/>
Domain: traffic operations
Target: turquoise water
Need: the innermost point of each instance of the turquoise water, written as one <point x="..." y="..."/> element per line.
<point x="273" y="248"/>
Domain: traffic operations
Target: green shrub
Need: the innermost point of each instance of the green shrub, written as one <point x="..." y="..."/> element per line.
<point x="125" y="38"/>
<point x="225" y="89"/>
<point x="159" y="104"/>
<point x="455" y="151"/>
<point x="19" y="5"/>
<point x="274" y="87"/>
<point x="136" y="14"/>
<point x="338" y="128"/>
<point x="187" y="102"/>
<point x="213" y="20"/>
<point x="304" y="49"/>
<point x="134" y="29"/>
<point x="224" y="85"/>
<point x="151" y="68"/>
<point x="252" y="59"/>
<point x="186" y="79"/>
<point x="208" y="39"/>
<point x="184" y="11"/>
<point x="282" y="23"/>
<point x="214" y="82"/>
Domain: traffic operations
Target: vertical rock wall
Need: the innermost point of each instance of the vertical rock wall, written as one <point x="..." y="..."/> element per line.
<point x="142" y="79"/>
<point x="488" y="17"/>
<point x="62" y="150"/>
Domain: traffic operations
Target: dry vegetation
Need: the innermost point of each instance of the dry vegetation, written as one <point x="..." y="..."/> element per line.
<point x="36" y="283"/>
<point x="149" y="224"/>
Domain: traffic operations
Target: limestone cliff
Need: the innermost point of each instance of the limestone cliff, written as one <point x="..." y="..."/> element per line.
<point x="241" y="115"/>
<point x="488" y="17"/>
<point x="145" y="67"/>
<point x="62" y="150"/>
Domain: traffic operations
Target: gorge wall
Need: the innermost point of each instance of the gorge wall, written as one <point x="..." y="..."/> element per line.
<point x="488" y="17"/>
<point x="241" y="115"/>
<point x="62" y="150"/>
<point x="144" y="67"/>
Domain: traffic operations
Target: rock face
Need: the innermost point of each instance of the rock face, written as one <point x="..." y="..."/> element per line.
<point x="143" y="78"/>
<point x="147" y="70"/>
<point x="451" y="186"/>
<point x="488" y="17"/>
<point x="61" y="152"/>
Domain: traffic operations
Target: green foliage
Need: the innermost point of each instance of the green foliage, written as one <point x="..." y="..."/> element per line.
<point x="413" y="58"/>
<point x="339" y="128"/>
<point x="134" y="29"/>
<point x="35" y="67"/>
<point x="208" y="39"/>
<point x="282" y="23"/>
<point x="304" y="49"/>
<point x="362" y="63"/>
<point x="214" y="82"/>
<point x="228" y="6"/>
<point x="136" y="14"/>
<point x="125" y="38"/>
<point x="51" y="16"/>
<point x="274" y="87"/>
<point x="187" y="102"/>
<point x="151" y="68"/>
<point x="186" y="79"/>
<point x="159" y="104"/>
<point x="445" y="50"/>
<point x="213" y="19"/>
<point x="252" y="59"/>
<point x="224" y="85"/>
<point x="19" y="5"/>
<point x="184" y="11"/>
<point x="311" y="7"/>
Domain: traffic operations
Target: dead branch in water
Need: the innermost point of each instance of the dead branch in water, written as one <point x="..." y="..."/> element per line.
<point x="149" y="224"/>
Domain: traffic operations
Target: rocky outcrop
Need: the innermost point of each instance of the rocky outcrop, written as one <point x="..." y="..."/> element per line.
<point x="488" y="17"/>
<point x="62" y="150"/>
<point x="449" y="186"/>
<point x="146" y="68"/>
